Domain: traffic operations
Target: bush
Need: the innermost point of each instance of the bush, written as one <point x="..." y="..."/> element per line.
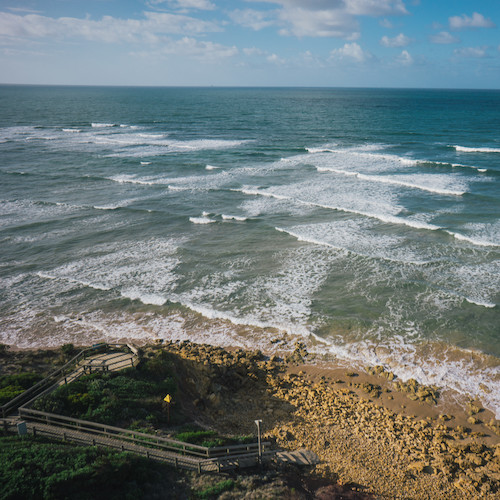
<point x="13" y="385"/>
<point x="38" y="469"/>
<point x="68" y="350"/>
<point x="116" y="397"/>
<point x="216" y="489"/>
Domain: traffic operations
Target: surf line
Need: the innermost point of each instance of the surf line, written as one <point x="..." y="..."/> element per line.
<point x="389" y="219"/>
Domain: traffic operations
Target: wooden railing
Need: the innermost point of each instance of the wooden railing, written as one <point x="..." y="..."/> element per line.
<point x="56" y="376"/>
<point x="178" y="453"/>
<point x="138" y="438"/>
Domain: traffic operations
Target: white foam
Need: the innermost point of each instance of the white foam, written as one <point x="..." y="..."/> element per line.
<point x="474" y="241"/>
<point x="106" y="207"/>
<point x="320" y="150"/>
<point x="234" y="217"/>
<point x="130" y="179"/>
<point x="211" y="167"/>
<point x="489" y="305"/>
<point x="391" y="219"/>
<point x="201" y="220"/>
<point x="69" y="279"/>
<point x="145" y="163"/>
<point x="102" y="125"/>
<point x="72" y="130"/>
<point x="393" y="180"/>
<point x="356" y="237"/>
<point x="145" y="298"/>
<point x="308" y="239"/>
<point x="256" y="192"/>
<point x="464" y="149"/>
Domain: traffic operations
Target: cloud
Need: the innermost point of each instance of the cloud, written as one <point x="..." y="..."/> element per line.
<point x="186" y="4"/>
<point x="405" y="58"/>
<point x="108" y="29"/>
<point x="350" y="51"/>
<point x="465" y="22"/>
<point x="274" y="59"/>
<point x="376" y="8"/>
<point x="385" y="23"/>
<point x="330" y="18"/>
<point x="398" y="41"/>
<point x="473" y="52"/>
<point x="200" y="49"/>
<point x="190" y="47"/>
<point x="319" y="23"/>
<point x="253" y="51"/>
<point x="249" y="18"/>
<point x="443" y="37"/>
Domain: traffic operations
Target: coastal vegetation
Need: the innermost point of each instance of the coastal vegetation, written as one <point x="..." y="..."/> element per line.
<point x="374" y="434"/>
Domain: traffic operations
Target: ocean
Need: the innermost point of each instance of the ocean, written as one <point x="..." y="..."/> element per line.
<point x="365" y="221"/>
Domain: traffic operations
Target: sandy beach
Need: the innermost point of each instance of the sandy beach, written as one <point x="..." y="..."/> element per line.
<point x="378" y="435"/>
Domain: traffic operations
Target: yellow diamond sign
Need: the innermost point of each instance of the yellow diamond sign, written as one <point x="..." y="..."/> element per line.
<point x="167" y="398"/>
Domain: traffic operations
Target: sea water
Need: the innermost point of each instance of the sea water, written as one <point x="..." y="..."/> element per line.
<point x="366" y="221"/>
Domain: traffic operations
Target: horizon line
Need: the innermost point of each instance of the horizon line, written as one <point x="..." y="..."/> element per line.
<point x="326" y="87"/>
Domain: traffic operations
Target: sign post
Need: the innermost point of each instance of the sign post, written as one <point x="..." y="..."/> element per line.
<point x="168" y="400"/>
<point x="257" y="423"/>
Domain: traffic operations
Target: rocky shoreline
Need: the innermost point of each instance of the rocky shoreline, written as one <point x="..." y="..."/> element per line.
<point x="376" y="436"/>
<point x="348" y="419"/>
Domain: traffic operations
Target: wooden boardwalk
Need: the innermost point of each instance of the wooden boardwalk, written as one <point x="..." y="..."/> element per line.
<point x="102" y="358"/>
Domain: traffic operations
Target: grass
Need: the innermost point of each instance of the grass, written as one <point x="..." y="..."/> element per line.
<point x="13" y="385"/>
<point x="215" y="490"/>
<point x="33" y="468"/>
<point x="129" y="397"/>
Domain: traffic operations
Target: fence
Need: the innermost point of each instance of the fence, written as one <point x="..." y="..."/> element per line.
<point x="56" y="376"/>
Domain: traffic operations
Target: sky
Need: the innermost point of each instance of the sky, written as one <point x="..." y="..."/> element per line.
<point x="305" y="43"/>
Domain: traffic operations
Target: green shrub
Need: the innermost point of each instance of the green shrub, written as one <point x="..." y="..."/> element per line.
<point x="38" y="469"/>
<point x="115" y="398"/>
<point x="13" y="385"/>
<point x="68" y="350"/>
<point x="216" y="489"/>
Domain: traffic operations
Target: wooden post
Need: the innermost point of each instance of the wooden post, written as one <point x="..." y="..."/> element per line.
<point x="199" y="467"/>
<point x="176" y="462"/>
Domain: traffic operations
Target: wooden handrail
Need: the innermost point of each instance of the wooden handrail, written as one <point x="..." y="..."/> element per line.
<point x="58" y="373"/>
<point x="111" y="431"/>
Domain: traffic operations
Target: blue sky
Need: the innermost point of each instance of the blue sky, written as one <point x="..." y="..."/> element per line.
<point x="353" y="43"/>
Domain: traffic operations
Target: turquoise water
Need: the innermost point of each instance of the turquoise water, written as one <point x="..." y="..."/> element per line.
<point x="366" y="221"/>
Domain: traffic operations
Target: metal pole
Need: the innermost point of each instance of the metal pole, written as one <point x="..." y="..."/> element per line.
<point x="257" y="423"/>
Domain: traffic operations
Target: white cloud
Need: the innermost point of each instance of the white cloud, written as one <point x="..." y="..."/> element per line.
<point x="405" y="58"/>
<point x="190" y="47"/>
<point x="398" y="41"/>
<point x="476" y="21"/>
<point x="274" y="59"/>
<point x="253" y="51"/>
<point x="474" y="52"/>
<point x="319" y="23"/>
<point x="375" y="8"/>
<point x="108" y="29"/>
<point x="200" y="49"/>
<point x="350" y="51"/>
<point x="385" y="23"/>
<point x="250" y="18"/>
<point x="330" y="18"/>
<point x="186" y="4"/>
<point x="443" y="37"/>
